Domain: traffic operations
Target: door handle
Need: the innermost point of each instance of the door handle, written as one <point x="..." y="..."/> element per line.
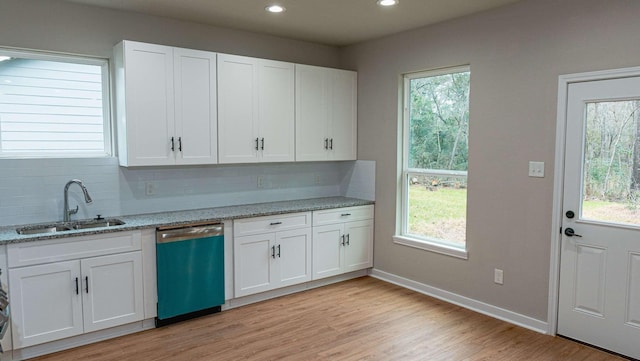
<point x="257" y="140"/>
<point x="331" y="144"/>
<point x="326" y="143"/>
<point x="569" y="232"/>
<point x="262" y="145"/>
<point x="173" y="145"/>
<point x="347" y="239"/>
<point x="273" y="252"/>
<point x="180" y="144"/>
<point x="279" y="252"/>
<point x="77" y="293"/>
<point x="342" y="243"/>
<point x="86" y="279"/>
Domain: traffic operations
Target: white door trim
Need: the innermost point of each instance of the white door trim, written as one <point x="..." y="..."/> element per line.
<point x="558" y="184"/>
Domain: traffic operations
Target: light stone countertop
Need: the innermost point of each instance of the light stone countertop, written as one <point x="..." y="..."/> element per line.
<point x="8" y="234"/>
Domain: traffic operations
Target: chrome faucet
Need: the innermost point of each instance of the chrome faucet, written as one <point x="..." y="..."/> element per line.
<point x="87" y="198"/>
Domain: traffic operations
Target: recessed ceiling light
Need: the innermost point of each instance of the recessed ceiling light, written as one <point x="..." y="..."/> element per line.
<point x="3" y="58"/>
<point x="387" y="2"/>
<point x="275" y="8"/>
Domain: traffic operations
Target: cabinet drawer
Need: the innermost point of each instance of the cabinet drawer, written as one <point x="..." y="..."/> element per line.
<point x="281" y="222"/>
<point x="62" y="249"/>
<point x="338" y="215"/>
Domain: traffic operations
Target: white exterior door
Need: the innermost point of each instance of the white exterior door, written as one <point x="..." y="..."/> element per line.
<point x="112" y="290"/>
<point x="196" y="135"/>
<point x="599" y="295"/>
<point x="46" y="304"/>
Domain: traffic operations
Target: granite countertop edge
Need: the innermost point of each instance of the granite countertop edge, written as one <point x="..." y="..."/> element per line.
<point x="9" y="235"/>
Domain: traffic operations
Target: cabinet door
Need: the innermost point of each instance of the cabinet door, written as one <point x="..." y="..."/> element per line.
<point x="45" y="303"/>
<point x="343" y="122"/>
<point x="252" y="263"/>
<point x="237" y="105"/>
<point x="312" y="106"/>
<point x="146" y="118"/>
<point x="293" y="257"/>
<point x="276" y="111"/>
<point x="358" y="250"/>
<point x="112" y="290"/>
<point x="327" y="250"/>
<point x="196" y="133"/>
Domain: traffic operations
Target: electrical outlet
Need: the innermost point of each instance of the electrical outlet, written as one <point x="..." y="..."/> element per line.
<point x="536" y="169"/>
<point x="149" y="188"/>
<point x="260" y="181"/>
<point x="498" y="276"/>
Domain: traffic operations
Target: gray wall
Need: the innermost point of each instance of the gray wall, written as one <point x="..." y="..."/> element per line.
<point x="516" y="54"/>
<point x="67" y="27"/>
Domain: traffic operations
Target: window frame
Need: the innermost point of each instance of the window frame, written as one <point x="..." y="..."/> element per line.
<point x="107" y="124"/>
<point x="402" y="236"/>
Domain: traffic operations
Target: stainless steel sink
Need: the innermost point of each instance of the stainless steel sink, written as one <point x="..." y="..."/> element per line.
<point x="43" y="229"/>
<point x="68" y="226"/>
<point x="97" y="223"/>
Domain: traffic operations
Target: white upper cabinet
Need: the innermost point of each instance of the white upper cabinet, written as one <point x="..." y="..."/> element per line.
<point x="255" y="110"/>
<point x="166" y="105"/>
<point x="195" y="107"/>
<point x="326" y="115"/>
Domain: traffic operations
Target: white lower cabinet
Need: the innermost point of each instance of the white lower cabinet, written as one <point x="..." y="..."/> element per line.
<point x="67" y="295"/>
<point x="271" y="252"/>
<point x="342" y="240"/>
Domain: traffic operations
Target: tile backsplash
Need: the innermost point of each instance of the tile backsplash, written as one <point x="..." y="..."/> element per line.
<point x="31" y="190"/>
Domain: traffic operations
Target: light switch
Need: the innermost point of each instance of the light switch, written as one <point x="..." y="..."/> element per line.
<point x="536" y="169"/>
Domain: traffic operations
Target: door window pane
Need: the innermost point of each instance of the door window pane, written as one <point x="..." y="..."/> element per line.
<point x="611" y="184"/>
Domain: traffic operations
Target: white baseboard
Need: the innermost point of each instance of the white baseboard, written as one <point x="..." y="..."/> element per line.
<point x="471" y="304"/>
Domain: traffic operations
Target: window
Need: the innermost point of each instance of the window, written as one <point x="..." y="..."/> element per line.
<point x="53" y="106"/>
<point x="435" y="157"/>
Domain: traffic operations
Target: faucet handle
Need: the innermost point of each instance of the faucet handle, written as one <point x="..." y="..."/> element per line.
<point x="99" y="217"/>
<point x="74" y="211"/>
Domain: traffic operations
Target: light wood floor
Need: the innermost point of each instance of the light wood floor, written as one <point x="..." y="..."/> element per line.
<point x="361" y="319"/>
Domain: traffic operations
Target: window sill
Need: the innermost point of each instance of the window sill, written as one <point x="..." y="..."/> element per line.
<point x="431" y="246"/>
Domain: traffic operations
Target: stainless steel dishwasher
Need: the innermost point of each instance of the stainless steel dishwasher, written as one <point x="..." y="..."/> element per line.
<point x="190" y="269"/>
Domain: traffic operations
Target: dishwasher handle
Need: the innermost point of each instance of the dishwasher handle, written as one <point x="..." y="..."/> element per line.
<point x="183" y="234"/>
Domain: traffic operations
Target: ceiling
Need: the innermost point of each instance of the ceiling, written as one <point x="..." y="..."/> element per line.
<point x="331" y="22"/>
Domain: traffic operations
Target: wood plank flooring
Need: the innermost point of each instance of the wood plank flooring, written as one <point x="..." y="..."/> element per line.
<point x="361" y="319"/>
